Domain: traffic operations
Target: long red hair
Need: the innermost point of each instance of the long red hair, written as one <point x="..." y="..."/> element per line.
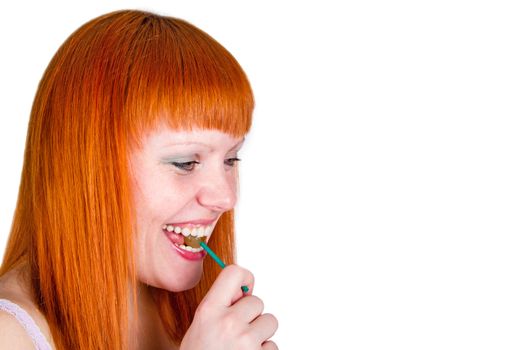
<point x="114" y="79"/>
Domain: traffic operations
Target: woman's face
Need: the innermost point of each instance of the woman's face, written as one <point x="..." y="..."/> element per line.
<point x="173" y="193"/>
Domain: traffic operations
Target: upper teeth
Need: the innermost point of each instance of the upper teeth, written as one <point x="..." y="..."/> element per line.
<point x="186" y="231"/>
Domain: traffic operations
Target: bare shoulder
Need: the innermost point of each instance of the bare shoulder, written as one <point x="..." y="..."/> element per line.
<point x="13" y="334"/>
<point x="15" y="289"/>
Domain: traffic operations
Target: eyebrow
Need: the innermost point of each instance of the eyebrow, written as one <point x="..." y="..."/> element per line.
<point x="205" y="145"/>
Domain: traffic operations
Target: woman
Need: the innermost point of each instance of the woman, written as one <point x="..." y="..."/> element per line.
<point x="130" y="162"/>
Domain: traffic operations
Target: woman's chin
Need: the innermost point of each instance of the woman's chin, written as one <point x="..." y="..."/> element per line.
<point x="179" y="282"/>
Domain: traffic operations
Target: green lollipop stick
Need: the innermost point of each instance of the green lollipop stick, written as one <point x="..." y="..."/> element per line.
<point x="245" y="289"/>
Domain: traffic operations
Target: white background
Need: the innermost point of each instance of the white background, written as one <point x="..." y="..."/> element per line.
<point x="382" y="196"/>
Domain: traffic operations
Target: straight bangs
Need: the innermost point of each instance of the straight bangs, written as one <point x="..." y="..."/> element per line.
<point x="181" y="78"/>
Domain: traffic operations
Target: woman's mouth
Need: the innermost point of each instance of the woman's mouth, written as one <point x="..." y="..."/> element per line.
<point x="188" y="237"/>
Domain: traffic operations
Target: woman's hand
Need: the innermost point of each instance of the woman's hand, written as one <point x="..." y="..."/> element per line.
<point x="227" y="320"/>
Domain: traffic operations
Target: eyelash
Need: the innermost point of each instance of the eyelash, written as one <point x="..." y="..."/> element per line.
<point x="183" y="166"/>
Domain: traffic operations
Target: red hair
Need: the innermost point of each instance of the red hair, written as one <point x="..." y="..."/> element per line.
<point x="114" y="79"/>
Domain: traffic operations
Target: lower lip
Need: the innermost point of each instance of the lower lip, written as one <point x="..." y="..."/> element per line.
<point x="189" y="255"/>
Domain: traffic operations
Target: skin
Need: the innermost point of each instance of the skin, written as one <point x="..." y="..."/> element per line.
<point x="166" y="194"/>
<point x="163" y="194"/>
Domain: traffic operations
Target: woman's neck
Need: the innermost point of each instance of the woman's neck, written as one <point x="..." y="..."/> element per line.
<point x="147" y="331"/>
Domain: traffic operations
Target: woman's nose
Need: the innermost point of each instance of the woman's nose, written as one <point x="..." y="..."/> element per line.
<point x="218" y="192"/>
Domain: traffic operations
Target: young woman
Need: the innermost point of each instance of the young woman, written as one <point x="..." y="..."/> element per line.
<point x="130" y="162"/>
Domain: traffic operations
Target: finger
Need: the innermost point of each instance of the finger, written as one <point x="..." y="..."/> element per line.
<point x="226" y="289"/>
<point x="264" y="326"/>
<point x="248" y="308"/>
<point x="269" y="345"/>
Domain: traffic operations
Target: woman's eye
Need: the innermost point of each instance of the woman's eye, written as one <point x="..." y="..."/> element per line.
<point x="189" y="166"/>
<point x="231" y="161"/>
<point x="186" y="166"/>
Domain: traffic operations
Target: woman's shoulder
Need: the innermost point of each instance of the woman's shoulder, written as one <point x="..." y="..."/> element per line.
<point x="14" y="295"/>
<point x="13" y="334"/>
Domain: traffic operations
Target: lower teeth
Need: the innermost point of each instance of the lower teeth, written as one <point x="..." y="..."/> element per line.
<point x="190" y="249"/>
